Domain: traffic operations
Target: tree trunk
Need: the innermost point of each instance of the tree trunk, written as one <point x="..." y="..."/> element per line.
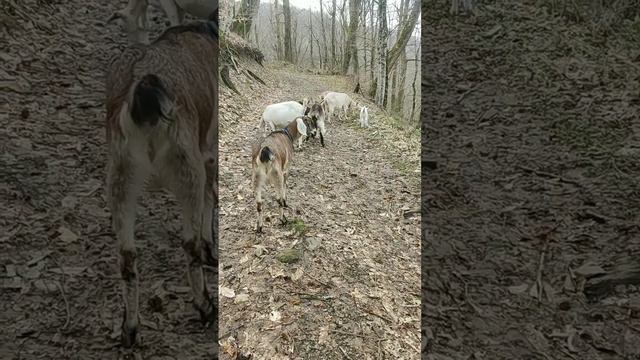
<point x="415" y="79"/>
<point x="404" y="34"/>
<point x="333" y="35"/>
<point x="402" y="65"/>
<point x="311" y="39"/>
<point x="241" y="23"/>
<point x="462" y="6"/>
<point x="364" y="36"/>
<point x="324" y="37"/>
<point x="351" y="50"/>
<point x="373" y="49"/>
<point x="288" y="53"/>
<point x="279" y="51"/>
<point x="382" y="74"/>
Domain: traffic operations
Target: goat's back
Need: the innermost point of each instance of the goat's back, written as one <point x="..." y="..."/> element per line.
<point x="185" y="59"/>
<point x="281" y="148"/>
<point x="281" y="114"/>
<point x="335" y="99"/>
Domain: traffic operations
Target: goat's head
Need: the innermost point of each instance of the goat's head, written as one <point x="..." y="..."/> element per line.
<point x="316" y="113"/>
<point x="312" y="126"/>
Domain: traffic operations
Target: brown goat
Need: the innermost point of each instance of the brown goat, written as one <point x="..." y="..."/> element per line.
<point x="162" y="125"/>
<point x="270" y="159"/>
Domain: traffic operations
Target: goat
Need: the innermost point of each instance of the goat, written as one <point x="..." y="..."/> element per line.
<point x="134" y="15"/>
<point x="278" y="116"/>
<point x="364" y="117"/>
<point x="334" y="102"/>
<point x="270" y="160"/>
<point x="316" y="113"/>
<point x="162" y="126"/>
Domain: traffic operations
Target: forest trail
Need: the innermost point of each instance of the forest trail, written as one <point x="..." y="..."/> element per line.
<point x="355" y="290"/>
<point x="533" y="122"/>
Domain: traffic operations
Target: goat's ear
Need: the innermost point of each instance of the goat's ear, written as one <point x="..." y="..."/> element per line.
<point x="302" y="128"/>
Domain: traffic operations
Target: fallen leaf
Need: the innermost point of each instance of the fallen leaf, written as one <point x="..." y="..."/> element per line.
<point x="69" y="270"/>
<point x="568" y="283"/>
<point x="37" y="256"/>
<point x="589" y="269"/>
<point x="275" y="316"/>
<point x="518" y="289"/>
<point x="260" y="250"/>
<point x="297" y="274"/>
<point x="66" y="235"/>
<point x="313" y="243"/>
<point x="240" y="298"/>
<point x="323" y="337"/>
<point x="227" y="292"/>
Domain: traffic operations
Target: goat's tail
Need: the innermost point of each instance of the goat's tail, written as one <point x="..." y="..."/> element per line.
<point x="265" y="155"/>
<point x="150" y="101"/>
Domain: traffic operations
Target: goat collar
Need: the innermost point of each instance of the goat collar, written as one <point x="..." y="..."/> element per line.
<point x="286" y="132"/>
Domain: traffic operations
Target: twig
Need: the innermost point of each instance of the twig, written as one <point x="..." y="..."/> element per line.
<point x="220" y="337"/>
<point x="550" y="175"/>
<point x="464" y="94"/>
<point x="539" y="271"/>
<point x="66" y="304"/>
<point x="344" y="352"/>
<point x="358" y="335"/>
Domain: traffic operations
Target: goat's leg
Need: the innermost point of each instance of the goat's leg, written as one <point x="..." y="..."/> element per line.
<point x="209" y="234"/>
<point x="321" y="130"/>
<point x="173" y="12"/>
<point x="258" y="184"/>
<point x="279" y="182"/>
<point x="189" y="189"/>
<point x="124" y="184"/>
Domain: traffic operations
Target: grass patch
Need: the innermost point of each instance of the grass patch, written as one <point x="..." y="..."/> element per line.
<point x="297" y="226"/>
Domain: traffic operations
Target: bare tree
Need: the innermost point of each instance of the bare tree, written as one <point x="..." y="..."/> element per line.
<point x="351" y="51"/>
<point x="404" y="34"/>
<point x="324" y="37"/>
<point x="288" y="53"/>
<point x="373" y="49"/>
<point x="462" y="6"/>
<point x="333" y="34"/>
<point x="415" y="80"/>
<point x="241" y="23"/>
<point x="382" y="74"/>
<point x="311" y="38"/>
<point x="279" y="51"/>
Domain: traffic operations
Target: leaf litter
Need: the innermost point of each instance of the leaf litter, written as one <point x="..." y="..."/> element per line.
<point x="59" y="276"/>
<point x="531" y="240"/>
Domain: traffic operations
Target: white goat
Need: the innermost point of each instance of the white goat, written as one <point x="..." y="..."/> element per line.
<point x="364" y="117"/>
<point x="278" y="116"/>
<point x="134" y="15"/>
<point x="335" y="102"/>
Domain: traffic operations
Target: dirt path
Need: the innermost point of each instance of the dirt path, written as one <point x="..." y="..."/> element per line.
<point x="54" y="229"/>
<point x="354" y="292"/>
<point x="533" y="122"/>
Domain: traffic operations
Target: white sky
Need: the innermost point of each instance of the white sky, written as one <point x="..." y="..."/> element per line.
<point x="315" y="4"/>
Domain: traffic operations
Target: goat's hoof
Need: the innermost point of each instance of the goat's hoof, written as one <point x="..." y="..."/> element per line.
<point x="283" y="221"/>
<point x="128" y="336"/>
<point x="259" y="229"/>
